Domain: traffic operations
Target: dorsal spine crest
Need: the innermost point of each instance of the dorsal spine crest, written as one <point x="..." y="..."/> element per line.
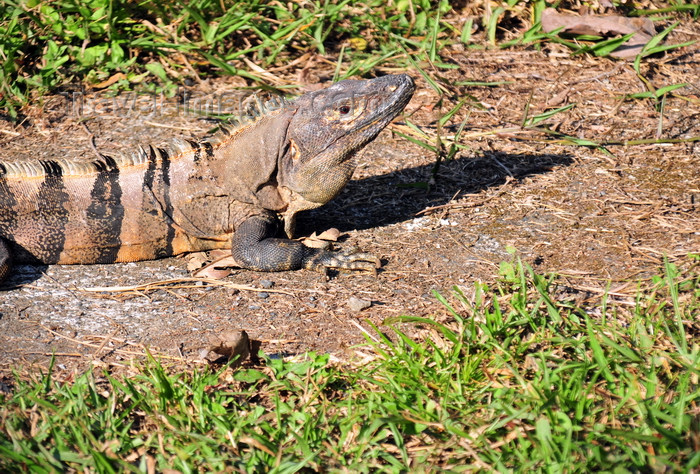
<point x="255" y="109"/>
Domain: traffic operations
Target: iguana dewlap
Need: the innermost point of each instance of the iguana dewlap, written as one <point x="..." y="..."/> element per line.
<point x="226" y="191"/>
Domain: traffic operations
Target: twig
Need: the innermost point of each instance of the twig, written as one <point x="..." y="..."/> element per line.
<point x="117" y="351"/>
<point x="352" y="321"/>
<point x="104" y="342"/>
<point x="156" y="285"/>
<point x="91" y="140"/>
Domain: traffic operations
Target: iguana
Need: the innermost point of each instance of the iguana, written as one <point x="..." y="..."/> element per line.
<point x="229" y="190"/>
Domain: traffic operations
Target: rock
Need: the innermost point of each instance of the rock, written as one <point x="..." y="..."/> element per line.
<point x="231" y="344"/>
<point x="358" y="304"/>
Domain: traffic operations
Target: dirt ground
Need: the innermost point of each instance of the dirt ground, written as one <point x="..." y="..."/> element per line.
<point x="590" y="216"/>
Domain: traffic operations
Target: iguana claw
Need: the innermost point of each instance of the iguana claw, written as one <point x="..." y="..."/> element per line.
<point x="351" y="259"/>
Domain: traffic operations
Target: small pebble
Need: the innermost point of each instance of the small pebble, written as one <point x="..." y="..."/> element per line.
<point x="267" y="284"/>
<point x="263" y="295"/>
<point x="357" y="304"/>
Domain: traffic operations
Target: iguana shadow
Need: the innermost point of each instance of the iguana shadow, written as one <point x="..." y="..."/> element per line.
<point x="398" y="196"/>
<point x="22" y="274"/>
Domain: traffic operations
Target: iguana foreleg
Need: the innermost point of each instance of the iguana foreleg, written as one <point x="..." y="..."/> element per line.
<point x="4" y="260"/>
<point x="255" y="247"/>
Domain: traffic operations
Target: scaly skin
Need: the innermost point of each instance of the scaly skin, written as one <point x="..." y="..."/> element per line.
<point x="227" y="191"/>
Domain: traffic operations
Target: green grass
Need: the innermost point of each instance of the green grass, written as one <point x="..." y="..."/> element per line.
<point x="513" y="377"/>
<point x="49" y="46"/>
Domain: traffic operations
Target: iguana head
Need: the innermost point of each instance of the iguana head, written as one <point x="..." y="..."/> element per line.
<point x="327" y="129"/>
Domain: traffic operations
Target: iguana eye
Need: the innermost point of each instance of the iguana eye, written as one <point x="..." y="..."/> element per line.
<point x="344" y="109"/>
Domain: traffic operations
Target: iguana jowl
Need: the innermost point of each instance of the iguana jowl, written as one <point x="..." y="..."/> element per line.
<point x="226" y="191"/>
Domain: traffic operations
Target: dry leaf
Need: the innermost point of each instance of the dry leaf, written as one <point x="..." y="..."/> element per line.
<point x="322" y="241"/>
<point x="212" y="272"/>
<point x="196" y="261"/>
<point x="217" y="269"/>
<point x="316" y="244"/>
<point x="218" y="254"/>
<point x="602" y="25"/>
<point x="331" y="234"/>
<point x="559" y="99"/>
<point x="114" y="78"/>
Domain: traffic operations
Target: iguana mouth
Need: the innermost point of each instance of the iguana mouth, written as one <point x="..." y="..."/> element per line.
<point x="401" y="90"/>
<point x="388" y="106"/>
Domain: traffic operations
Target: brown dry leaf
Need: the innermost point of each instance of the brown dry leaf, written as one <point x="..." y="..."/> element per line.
<point x="315" y="243"/>
<point x="602" y="25"/>
<point x="211" y="271"/>
<point x="217" y="269"/>
<point x="212" y="264"/>
<point x="196" y="261"/>
<point x="331" y="234"/>
<point x="560" y="98"/>
<point x="114" y="78"/>
<point x="218" y="254"/>
<point x="323" y="240"/>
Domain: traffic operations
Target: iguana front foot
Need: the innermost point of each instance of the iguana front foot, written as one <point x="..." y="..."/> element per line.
<point x="255" y="247"/>
<point x="351" y="259"/>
